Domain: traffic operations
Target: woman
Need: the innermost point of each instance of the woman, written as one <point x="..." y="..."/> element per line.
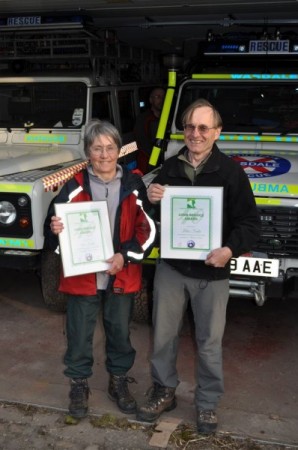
<point x="133" y="234"/>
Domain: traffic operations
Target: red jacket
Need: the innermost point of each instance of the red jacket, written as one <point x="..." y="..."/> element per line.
<point x="134" y="234"/>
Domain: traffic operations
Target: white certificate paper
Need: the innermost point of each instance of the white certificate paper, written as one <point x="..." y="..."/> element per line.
<point x="191" y="221"/>
<point x="85" y="242"/>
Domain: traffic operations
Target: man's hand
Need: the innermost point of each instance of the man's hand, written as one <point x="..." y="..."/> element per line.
<point x="219" y="257"/>
<point x="155" y="192"/>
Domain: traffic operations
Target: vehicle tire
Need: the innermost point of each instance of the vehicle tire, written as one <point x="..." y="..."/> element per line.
<point x="50" y="274"/>
<point x="142" y="312"/>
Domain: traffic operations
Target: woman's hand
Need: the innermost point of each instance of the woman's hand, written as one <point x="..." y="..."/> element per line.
<point x="117" y="263"/>
<point x="56" y="225"/>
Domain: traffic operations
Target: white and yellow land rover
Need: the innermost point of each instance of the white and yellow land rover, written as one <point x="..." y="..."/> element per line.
<point x="55" y="75"/>
<point x="254" y="85"/>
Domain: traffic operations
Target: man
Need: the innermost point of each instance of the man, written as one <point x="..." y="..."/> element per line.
<point x="133" y="234"/>
<point x="146" y="127"/>
<point x="205" y="283"/>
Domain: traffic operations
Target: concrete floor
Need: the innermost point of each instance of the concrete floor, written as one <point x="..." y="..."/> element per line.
<point x="260" y="362"/>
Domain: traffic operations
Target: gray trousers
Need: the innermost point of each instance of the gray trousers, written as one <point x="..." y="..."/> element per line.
<point x="172" y="290"/>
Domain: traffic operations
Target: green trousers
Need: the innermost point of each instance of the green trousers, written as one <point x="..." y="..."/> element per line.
<point x="81" y="319"/>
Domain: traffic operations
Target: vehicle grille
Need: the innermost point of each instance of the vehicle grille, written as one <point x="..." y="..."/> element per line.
<point x="279" y="235"/>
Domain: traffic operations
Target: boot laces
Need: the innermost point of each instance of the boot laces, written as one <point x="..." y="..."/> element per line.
<point x="207" y="415"/>
<point x="79" y="388"/>
<point x="156" y="395"/>
<point x="122" y="385"/>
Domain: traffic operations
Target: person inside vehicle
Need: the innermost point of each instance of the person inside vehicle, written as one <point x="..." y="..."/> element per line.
<point x="146" y="127"/>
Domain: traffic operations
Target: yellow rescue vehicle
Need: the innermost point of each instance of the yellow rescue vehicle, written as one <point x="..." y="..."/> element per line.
<point x="253" y="82"/>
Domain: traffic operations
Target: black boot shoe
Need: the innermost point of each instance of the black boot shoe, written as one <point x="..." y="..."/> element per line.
<point x="160" y="399"/>
<point x="79" y="394"/>
<point x="118" y="392"/>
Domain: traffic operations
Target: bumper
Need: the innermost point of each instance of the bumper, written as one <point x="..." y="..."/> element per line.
<point x="20" y="259"/>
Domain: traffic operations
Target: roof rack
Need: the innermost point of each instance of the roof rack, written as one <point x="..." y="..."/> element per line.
<point x="75" y="43"/>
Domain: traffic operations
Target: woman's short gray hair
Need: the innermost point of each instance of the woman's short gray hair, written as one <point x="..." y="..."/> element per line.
<point x="187" y="114"/>
<point x="95" y="128"/>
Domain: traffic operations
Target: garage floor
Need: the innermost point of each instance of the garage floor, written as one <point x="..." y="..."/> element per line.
<point x="260" y="361"/>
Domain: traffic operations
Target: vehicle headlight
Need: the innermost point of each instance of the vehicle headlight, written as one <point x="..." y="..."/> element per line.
<point x="8" y="213"/>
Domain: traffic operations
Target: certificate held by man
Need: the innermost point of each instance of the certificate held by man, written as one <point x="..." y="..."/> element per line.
<point x="191" y="219"/>
<point x="85" y="242"/>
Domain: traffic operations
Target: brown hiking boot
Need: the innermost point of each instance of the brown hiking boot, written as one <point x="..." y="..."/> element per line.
<point x="118" y="392"/>
<point x="206" y="421"/>
<point x="160" y="399"/>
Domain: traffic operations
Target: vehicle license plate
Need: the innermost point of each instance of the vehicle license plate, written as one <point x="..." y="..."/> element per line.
<point x="258" y="267"/>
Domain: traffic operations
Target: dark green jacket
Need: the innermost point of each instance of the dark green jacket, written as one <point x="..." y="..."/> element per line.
<point x="241" y="222"/>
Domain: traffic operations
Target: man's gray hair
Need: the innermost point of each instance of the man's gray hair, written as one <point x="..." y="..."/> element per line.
<point x="95" y="128"/>
<point x="200" y="103"/>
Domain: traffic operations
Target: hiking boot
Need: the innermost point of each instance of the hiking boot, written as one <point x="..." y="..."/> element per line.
<point x="118" y="392"/>
<point x="79" y="394"/>
<point x="206" y="421"/>
<point x="160" y="399"/>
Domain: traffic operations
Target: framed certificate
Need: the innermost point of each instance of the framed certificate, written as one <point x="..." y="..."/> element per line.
<point x="191" y="221"/>
<point x="86" y="241"/>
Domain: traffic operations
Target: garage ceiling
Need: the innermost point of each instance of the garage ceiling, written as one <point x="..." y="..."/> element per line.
<point x="168" y="25"/>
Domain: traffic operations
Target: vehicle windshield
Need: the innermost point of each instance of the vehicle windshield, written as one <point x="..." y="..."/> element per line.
<point x="248" y="107"/>
<point x="43" y="105"/>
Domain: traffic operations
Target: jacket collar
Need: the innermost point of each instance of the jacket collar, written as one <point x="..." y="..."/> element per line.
<point x="212" y="163"/>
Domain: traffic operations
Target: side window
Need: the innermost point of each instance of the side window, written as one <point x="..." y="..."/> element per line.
<point x="126" y="110"/>
<point x="144" y="93"/>
<point x="101" y="106"/>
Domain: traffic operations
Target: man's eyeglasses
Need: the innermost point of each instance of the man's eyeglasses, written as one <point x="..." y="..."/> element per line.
<point x="203" y="129"/>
